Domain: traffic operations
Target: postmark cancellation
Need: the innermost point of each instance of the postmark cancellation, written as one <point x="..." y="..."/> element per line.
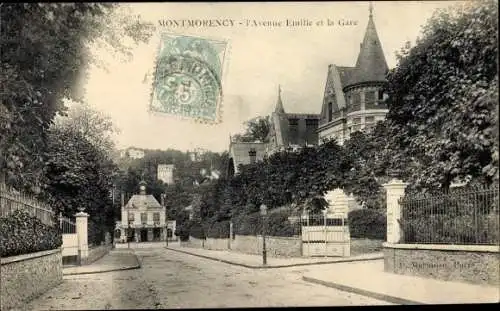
<point x="187" y="81"/>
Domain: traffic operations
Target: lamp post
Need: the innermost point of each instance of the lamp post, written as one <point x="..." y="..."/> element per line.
<point x="263" y="212"/>
<point x="325" y="211"/>
<point x="128" y="233"/>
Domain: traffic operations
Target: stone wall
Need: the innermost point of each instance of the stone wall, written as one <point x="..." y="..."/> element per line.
<point x="463" y="263"/>
<point x="25" y="277"/>
<point x="275" y="246"/>
<point x="364" y="246"/>
<point x="216" y="244"/>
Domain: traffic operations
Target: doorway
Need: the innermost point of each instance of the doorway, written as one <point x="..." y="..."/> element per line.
<point x="156" y="234"/>
<point x="144" y="235"/>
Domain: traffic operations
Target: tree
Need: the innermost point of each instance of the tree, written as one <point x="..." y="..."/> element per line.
<point x="77" y="175"/>
<point x="257" y="129"/>
<point x="93" y="125"/>
<point x="443" y="96"/>
<point x="45" y="51"/>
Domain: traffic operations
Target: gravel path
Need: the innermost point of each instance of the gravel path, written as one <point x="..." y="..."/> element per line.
<point x="170" y="279"/>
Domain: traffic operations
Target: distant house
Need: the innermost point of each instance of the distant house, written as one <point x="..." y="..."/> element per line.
<point x="134" y="153"/>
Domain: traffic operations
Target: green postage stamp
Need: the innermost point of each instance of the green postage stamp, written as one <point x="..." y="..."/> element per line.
<point x="188" y="78"/>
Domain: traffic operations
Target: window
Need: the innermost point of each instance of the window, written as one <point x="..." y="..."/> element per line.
<point x="380" y="94"/>
<point x="356" y="120"/>
<point x="330" y="111"/>
<point x="131" y="217"/>
<point x="355" y="128"/>
<point x="369" y="119"/>
<point x="369" y="96"/>
<point x="356" y="102"/>
<point x="156" y="217"/>
<point x="144" y="217"/>
<point x="311" y="122"/>
<point x="293" y="122"/>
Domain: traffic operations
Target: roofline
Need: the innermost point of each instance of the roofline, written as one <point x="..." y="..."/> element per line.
<point x="360" y="84"/>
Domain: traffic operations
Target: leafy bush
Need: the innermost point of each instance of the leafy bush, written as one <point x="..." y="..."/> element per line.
<point x="218" y="230"/>
<point x="196" y="230"/>
<point x="21" y="233"/>
<point x="367" y="224"/>
<point x="182" y="233"/>
<point x="277" y="225"/>
<point x="247" y="224"/>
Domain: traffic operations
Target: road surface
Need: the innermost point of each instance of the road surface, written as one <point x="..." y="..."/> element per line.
<point x="169" y="279"/>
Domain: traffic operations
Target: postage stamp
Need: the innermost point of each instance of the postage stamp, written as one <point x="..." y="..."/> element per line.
<point x="188" y="78"/>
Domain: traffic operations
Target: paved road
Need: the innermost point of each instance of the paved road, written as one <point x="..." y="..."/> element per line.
<point x="170" y="279"/>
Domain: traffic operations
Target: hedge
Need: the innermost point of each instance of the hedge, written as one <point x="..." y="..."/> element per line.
<point x="196" y="230"/>
<point x="218" y="230"/>
<point x="277" y="225"/>
<point x="21" y="234"/>
<point x="368" y="224"/>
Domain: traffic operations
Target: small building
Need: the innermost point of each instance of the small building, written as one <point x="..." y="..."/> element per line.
<point x="143" y="219"/>
<point x="291" y="130"/>
<point x="165" y="173"/>
<point x="133" y="153"/>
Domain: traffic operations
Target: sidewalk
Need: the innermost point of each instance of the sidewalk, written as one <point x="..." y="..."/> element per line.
<point x="255" y="261"/>
<point x="115" y="260"/>
<point x="369" y="279"/>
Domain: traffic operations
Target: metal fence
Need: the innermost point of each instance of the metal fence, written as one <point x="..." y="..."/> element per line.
<point x="11" y="201"/>
<point x="66" y="225"/>
<point x="467" y="216"/>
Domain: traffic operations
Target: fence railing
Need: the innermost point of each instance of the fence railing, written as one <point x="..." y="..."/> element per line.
<point x="11" y="201"/>
<point x="66" y="225"/>
<point x="467" y="216"/>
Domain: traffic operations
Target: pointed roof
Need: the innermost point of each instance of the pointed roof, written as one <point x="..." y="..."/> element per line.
<point x="279" y="104"/>
<point x="371" y="65"/>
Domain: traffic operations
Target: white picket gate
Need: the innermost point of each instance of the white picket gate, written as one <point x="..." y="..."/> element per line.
<point x="327" y="234"/>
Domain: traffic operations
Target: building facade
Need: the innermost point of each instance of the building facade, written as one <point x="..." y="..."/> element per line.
<point x="165" y="173"/>
<point x="353" y="98"/>
<point x="143" y="219"/>
<point x="131" y="152"/>
<point x="291" y="130"/>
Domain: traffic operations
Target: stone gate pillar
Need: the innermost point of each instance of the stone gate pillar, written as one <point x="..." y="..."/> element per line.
<point x="395" y="190"/>
<point x="82" y="234"/>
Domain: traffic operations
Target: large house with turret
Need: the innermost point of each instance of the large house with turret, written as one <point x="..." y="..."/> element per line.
<point x="353" y="100"/>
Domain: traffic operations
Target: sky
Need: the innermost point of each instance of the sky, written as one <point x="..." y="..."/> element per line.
<point x="257" y="59"/>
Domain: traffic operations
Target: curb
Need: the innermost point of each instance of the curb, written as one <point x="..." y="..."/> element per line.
<point x="273" y="266"/>
<point x="138" y="265"/>
<point x="359" y="291"/>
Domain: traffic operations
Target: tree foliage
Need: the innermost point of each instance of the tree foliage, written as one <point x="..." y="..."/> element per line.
<point x="78" y="175"/>
<point x="257" y="129"/>
<point x="443" y="96"/>
<point x="46" y="50"/>
<point x="93" y="125"/>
